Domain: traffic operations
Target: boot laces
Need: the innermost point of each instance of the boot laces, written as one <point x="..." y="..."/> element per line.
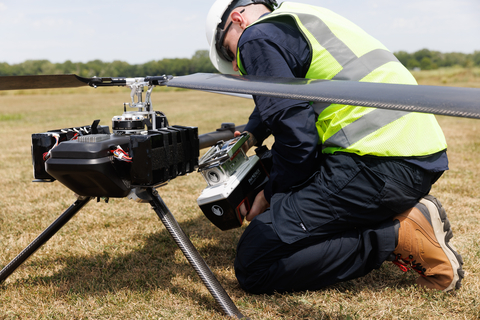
<point x="406" y="264"/>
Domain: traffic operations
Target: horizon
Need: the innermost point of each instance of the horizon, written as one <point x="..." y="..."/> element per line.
<point x="166" y="58"/>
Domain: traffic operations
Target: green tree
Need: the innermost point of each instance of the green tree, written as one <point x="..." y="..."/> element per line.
<point x="420" y="54"/>
<point x="403" y="57"/>
<point x="69" y="67"/>
<point x="476" y="58"/>
<point x="412" y="64"/>
<point x="426" y="63"/>
<point x="119" y="69"/>
<point x="201" y="62"/>
<point x="4" y="69"/>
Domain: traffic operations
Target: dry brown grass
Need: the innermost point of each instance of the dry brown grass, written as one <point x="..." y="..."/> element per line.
<point x="117" y="261"/>
<point x="455" y="77"/>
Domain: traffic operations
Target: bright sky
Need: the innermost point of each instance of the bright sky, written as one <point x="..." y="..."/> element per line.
<point x="141" y="31"/>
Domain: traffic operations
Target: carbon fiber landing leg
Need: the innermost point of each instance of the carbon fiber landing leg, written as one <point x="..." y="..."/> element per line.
<point x="193" y="256"/>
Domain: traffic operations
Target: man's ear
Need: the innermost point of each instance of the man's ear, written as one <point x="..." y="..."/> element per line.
<point x="239" y="19"/>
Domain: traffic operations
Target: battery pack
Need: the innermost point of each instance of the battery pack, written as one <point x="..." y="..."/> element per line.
<point x="44" y="142"/>
<point x="86" y="166"/>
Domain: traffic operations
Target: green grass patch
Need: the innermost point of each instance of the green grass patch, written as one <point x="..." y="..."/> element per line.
<point x="454" y="76"/>
<point x="10" y="117"/>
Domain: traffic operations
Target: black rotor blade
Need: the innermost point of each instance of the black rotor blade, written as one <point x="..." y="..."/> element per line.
<point x="450" y="101"/>
<point x="42" y="82"/>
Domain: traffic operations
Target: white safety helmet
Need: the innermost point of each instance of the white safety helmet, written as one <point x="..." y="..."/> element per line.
<point x="217" y="16"/>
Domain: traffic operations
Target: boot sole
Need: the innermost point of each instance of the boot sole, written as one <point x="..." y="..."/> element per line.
<point x="443" y="233"/>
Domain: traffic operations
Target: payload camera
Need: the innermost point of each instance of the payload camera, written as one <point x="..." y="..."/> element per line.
<point x="233" y="180"/>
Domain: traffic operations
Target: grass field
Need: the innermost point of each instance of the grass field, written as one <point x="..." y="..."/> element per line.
<point x="117" y="261"/>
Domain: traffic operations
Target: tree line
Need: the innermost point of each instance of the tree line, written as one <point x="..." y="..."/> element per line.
<point x="428" y="60"/>
<point x="200" y="62"/>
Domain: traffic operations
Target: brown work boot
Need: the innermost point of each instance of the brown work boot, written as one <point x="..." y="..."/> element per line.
<point x="423" y="246"/>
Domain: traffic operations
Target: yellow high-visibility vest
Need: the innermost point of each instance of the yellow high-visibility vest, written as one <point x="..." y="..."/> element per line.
<point x="342" y="51"/>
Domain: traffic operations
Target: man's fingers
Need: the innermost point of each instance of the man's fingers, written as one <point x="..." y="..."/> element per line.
<point x="259" y="206"/>
<point x="243" y="209"/>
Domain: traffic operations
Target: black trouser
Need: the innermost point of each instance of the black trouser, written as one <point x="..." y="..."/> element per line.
<point x="335" y="227"/>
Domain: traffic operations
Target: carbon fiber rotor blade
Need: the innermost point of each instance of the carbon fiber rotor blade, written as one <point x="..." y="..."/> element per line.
<point x="42" y="82"/>
<point x="450" y="101"/>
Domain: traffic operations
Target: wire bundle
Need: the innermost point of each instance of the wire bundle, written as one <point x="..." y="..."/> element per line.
<point x="121" y="155"/>
<point x="47" y="154"/>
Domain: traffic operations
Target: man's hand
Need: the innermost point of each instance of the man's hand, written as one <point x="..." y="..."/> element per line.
<point x="259" y="205"/>
<point x="249" y="143"/>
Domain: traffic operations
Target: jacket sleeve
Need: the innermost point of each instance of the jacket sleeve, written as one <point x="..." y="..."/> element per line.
<point x="292" y="122"/>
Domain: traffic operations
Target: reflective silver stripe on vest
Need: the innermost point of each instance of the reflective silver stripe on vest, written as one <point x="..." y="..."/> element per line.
<point x="363" y="66"/>
<point x="362" y="127"/>
<point x="354" y="69"/>
<point x="327" y="39"/>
